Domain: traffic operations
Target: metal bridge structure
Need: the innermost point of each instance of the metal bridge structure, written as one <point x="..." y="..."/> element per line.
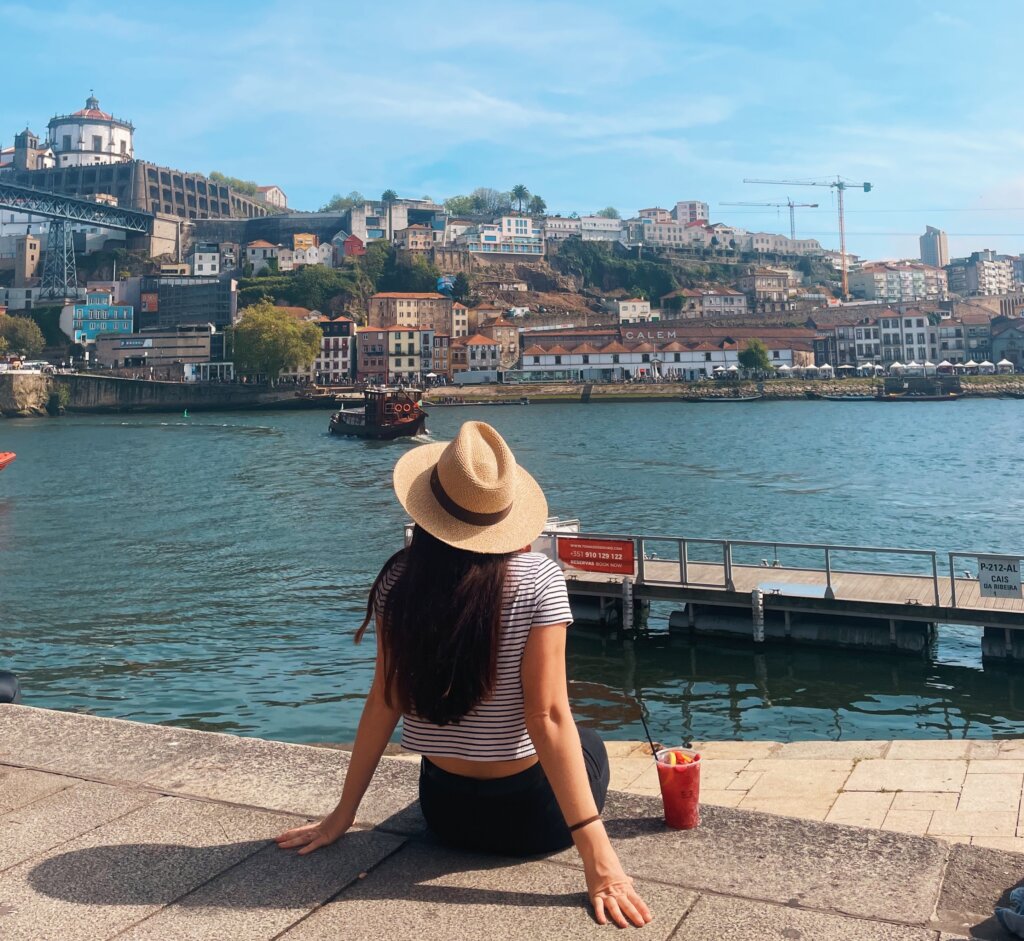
<point x="60" y="277"/>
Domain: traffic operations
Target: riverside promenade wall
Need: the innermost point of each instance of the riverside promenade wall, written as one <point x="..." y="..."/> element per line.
<point x="25" y="395"/>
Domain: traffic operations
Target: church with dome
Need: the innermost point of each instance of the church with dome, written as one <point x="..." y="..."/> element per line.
<point x="89" y="137"/>
<point x="90" y="153"/>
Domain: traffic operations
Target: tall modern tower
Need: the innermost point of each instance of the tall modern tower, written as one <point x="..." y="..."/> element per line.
<point x="934" y="249"/>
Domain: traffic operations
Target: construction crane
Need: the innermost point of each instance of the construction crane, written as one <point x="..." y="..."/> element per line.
<point x="840" y="186"/>
<point x="792" y="215"/>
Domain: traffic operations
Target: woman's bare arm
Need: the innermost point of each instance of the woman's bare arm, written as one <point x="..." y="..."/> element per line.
<point x="376" y="726"/>
<point x="553" y="731"/>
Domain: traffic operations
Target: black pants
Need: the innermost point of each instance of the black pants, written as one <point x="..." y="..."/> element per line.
<point x="515" y="816"/>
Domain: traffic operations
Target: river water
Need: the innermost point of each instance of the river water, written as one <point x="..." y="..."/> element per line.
<point x="210" y="571"/>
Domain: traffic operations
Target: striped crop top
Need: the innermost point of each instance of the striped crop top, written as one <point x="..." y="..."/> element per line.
<point x="495" y="729"/>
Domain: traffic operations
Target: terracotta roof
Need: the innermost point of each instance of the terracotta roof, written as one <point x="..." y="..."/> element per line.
<point x="585" y="348"/>
<point x="498" y="322"/>
<point x="633" y="300"/>
<point x="478" y="340"/>
<point x="558" y="350"/>
<point x="674" y="347"/>
<point x="534" y="350"/>
<point x="458" y="306"/>
<point x="264" y="189"/>
<point x="643" y="348"/>
<point x="425" y="296"/>
<point x="614" y="347"/>
<point x="260" y="243"/>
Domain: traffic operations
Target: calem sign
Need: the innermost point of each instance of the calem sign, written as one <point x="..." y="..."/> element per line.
<point x="608" y="556"/>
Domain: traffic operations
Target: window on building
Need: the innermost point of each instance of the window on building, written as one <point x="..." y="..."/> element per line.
<point x="97" y="143"/>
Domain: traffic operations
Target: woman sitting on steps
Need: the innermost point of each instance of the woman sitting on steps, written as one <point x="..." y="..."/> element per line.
<point x="471" y="655"/>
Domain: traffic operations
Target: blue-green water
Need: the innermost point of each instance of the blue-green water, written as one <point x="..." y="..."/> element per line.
<point x="210" y="571"/>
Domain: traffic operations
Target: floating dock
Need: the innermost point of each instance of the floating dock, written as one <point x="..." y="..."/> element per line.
<point x="854" y="603"/>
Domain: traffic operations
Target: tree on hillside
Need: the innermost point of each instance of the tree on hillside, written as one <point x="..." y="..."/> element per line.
<point x="339" y="203"/>
<point x="520" y="194"/>
<point x="268" y="340"/>
<point x="460" y="205"/>
<point x="461" y="288"/>
<point x="491" y="202"/>
<point x="246" y="187"/>
<point x="755" y="357"/>
<point x="321" y="288"/>
<point x="389" y="197"/>
<point x="22" y="335"/>
<point x="537" y="206"/>
<point x="609" y="212"/>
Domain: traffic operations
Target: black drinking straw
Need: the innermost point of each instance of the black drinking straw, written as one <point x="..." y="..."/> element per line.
<point x="647" y="731"/>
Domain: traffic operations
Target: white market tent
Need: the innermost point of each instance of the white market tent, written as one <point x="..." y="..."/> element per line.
<point x="825" y="369"/>
<point x="945" y="364"/>
<point x="914" y="367"/>
<point x="734" y="368"/>
<point x="1004" y="366"/>
<point x="896" y="366"/>
<point x="846" y="366"/>
<point x="986" y="368"/>
<point x="928" y="366"/>
<point x="970" y="364"/>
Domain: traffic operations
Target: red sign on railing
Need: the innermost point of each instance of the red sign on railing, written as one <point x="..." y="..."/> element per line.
<point x="610" y="556"/>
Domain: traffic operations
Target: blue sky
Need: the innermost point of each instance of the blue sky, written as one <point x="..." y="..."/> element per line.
<point x="587" y="103"/>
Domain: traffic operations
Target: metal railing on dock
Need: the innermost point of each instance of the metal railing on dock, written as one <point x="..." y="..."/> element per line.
<point x="830" y="572"/>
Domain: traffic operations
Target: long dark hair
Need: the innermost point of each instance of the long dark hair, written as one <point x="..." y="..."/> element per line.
<point x="439" y="627"/>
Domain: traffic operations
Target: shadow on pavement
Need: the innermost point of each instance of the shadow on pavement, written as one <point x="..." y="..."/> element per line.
<point x="268" y="877"/>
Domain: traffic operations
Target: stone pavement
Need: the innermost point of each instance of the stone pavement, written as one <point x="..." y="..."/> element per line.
<point x="961" y="791"/>
<point x="116" y="829"/>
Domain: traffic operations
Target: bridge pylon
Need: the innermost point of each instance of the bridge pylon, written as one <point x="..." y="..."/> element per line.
<point x="60" y="277"/>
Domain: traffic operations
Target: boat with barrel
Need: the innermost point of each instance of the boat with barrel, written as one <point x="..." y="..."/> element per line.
<point x="851" y="397"/>
<point x="387" y="413"/>
<point x="5" y="458"/>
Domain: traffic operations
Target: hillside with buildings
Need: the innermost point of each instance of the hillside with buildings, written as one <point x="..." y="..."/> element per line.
<point x="483" y="278"/>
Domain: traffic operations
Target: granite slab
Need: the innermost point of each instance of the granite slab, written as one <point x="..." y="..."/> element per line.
<point x="977" y="880"/>
<point x="112" y="877"/>
<point x="433" y="894"/>
<point x="829" y="867"/>
<point x="33" y="829"/>
<point x="734" y="919"/>
<point x="265" y="893"/>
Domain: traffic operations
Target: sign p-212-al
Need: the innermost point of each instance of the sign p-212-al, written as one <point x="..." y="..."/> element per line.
<point x="999" y="576"/>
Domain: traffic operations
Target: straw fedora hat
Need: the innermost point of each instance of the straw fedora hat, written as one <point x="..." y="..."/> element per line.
<point x="471" y="493"/>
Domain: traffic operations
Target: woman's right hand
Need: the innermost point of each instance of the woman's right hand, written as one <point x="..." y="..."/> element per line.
<point x="312" y="836"/>
<point x="614" y="897"/>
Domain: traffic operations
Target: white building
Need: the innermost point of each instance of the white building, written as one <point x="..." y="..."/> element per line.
<point x="89" y="137"/>
<point x="512" y="235"/>
<point x="691" y="210"/>
<point x="273" y="196"/>
<point x="634" y="310"/>
<point x="205" y="259"/>
<point x="557" y="228"/>
<point x="600" y="229"/>
<point x="258" y="254"/>
<point x="898" y="283"/>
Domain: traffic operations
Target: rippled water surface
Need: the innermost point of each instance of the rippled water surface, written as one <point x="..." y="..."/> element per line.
<point x="210" y="571"/>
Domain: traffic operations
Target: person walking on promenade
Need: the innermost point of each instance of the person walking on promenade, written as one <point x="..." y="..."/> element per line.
<point x="471" y="635"/>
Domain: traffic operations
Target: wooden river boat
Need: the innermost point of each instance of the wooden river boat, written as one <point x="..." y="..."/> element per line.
<point x="387" y="413"/>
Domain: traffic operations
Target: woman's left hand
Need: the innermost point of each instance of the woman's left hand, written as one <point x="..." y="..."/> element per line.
<point x="312" y="836"/>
